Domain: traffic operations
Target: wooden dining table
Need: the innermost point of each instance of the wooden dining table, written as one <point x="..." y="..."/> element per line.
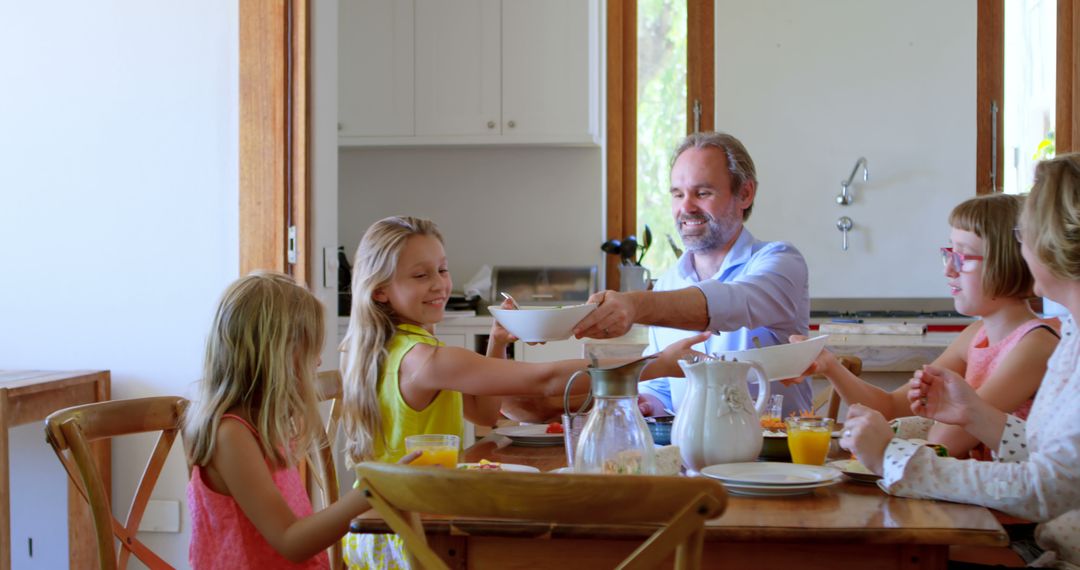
<point x="849" y="525"/>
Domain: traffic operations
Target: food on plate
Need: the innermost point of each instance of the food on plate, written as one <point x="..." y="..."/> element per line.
<point x="554" y="427"/>
<point x="854" y="466"/>
<point x="772" y="423"/>
<point x="668" y="460"/>
<point x="483" y="465"/>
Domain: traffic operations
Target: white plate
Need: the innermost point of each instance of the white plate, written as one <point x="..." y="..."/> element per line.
<point x="505" y="467"/>
<point x="845" y="467"/>
<point x="776" y="490"/>
<point x="533" y="435"/>
<point x="771" y="474"/>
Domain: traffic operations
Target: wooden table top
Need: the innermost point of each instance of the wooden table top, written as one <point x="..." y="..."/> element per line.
<point x="848" y="512"/>
<point x="30" y="381"/>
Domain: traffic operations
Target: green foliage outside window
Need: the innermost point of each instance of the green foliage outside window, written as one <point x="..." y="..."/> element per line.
<point x="661" y="118"/>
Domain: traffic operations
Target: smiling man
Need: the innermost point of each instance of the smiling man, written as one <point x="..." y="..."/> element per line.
<point x="748" y="292"/>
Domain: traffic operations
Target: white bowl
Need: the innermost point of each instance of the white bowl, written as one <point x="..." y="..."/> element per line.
<point x="782" y="360"/>
<point x="541" y="324"/>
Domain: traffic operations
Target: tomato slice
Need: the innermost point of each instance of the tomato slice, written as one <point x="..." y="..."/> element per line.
<point x="554" y="427"/>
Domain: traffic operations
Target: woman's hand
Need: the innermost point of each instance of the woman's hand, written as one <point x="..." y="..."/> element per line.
<point x="821" y="363"/>
<point x="866" y="434"/>
<point x="942" y="395"/>
<point x="666" y="362"/>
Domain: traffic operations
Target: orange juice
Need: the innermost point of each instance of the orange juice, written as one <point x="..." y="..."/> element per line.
<point x="808" y="439"/>
<point x="438" y="456"/>
<point x="809" y="447"/>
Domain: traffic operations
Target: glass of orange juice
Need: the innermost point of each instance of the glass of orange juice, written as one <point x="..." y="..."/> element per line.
<point x="438" y="449"/>
<point x="808" y="439"/>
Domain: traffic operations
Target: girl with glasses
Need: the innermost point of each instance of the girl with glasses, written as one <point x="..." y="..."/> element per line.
<point x="1003" y="354"/>
<point x="1037" y="460"/>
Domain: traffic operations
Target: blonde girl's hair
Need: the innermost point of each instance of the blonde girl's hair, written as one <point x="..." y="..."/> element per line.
<point x="261" y="356"/>
<point x="992" y="218"/>
<point x="371" y="326"/>
<point x="1050" y="222"/>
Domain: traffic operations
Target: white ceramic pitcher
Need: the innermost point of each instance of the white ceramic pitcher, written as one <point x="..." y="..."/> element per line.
<point x="717" y="422"/>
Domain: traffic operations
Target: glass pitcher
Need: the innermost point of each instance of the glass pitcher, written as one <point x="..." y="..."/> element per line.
<point x="615" y="438"/>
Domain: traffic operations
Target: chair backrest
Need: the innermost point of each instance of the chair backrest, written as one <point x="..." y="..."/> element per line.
<point x="398" y="492"/>
<point x="70" y="432"/>
<point x="328" y="387"/>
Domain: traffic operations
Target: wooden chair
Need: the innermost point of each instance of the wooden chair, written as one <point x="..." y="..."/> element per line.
<point x="328" y="388"/>
<point x="399" y="492"/>
<point x="854" y="365"/>
<point x="70" y="432"/>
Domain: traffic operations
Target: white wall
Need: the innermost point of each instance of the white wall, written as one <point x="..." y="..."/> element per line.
<point x="811" y="86"/>
<point x="496" y="206"/>
<point x="118" y="175"/>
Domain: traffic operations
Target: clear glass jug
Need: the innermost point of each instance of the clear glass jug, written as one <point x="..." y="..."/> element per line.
<point x="615" y="438"/>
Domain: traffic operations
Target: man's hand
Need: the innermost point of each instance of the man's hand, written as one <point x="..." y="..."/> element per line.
<point x="614" y="315"/>
<point x="650" y="405"/>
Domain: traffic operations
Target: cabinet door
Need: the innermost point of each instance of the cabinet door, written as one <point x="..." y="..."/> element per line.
<point x="457" y="67"/>
<point x="375" y="68"/>
<point x="545" y="69"/>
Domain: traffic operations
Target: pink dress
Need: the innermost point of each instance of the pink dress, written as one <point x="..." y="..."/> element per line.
<point x="983" y="358"/>
<point x="223" y="537"/>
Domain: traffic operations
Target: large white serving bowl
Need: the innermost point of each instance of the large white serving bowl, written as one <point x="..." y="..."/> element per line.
<point x="541" y="324"/>
<point x="782" y="360"/>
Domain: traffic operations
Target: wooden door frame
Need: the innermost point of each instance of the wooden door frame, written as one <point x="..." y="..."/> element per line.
<point x="991" y="86"/>
<point x="274" y="135"/>
<point x="621" y="151"/>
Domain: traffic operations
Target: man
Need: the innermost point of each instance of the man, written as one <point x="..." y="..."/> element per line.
<point x="749" y="292"/>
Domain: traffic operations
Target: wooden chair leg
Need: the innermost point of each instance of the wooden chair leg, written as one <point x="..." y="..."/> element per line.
<point x="674" y="536"/>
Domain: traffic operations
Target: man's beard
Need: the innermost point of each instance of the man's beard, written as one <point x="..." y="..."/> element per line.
<point x="716" y="235"/>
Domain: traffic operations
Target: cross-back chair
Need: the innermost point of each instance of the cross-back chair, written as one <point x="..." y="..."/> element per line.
<point x="328" y="388"/>
<point x="70" y="432"/>
<point x="399" y="492"/>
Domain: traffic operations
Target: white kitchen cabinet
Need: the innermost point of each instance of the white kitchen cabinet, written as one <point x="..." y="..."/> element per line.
<point x="482" y="72"/>
<point x="375" y="68"/>
<point x="558" y="350"/>
<point x="456" y="340"/>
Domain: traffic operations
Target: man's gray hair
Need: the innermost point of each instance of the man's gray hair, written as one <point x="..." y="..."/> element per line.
<point x="740" y="165"/>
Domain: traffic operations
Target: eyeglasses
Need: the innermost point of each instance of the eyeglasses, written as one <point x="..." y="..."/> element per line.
<point x="1016" y="234"/>
<point x="959" y="262"/>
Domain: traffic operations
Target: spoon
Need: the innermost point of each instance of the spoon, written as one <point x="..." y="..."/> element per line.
<point x="509" y="298"/>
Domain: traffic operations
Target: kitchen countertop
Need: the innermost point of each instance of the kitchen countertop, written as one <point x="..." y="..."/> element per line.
<point x="879" y="352"/>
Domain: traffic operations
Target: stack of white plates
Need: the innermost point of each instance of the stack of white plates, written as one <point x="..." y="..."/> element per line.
<point x="772" y="479"/>
<point x="531" y="435"/>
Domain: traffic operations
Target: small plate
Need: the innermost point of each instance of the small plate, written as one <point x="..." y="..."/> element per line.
<point x="753" y="490"/>
<point x="532" y="435"/>
<point x="514" y="467"/>
<point x="770" y="474"/>
<point x="854" y="472"/>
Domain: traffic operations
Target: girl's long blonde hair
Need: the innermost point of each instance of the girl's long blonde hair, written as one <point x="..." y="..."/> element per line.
<point x="261" y="356"/>
<point x="371" y="326"/>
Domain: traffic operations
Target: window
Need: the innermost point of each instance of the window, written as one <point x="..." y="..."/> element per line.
<point x="1030" y="90"/>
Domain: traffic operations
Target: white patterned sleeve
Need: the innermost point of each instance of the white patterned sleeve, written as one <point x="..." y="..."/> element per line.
<point x="1036" y="485"/>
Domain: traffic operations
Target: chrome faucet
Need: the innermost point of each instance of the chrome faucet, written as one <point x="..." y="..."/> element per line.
<point x="846" y="196"/>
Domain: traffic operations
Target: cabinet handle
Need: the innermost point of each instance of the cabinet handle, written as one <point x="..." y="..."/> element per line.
<point x="511" y="124"/>
<point x="491" y="124"/>
<point x="340" y="127"/>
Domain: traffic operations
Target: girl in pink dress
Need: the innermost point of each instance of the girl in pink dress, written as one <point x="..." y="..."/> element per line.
<point x="1002" y="355"/>
<point x="254" y="420"/>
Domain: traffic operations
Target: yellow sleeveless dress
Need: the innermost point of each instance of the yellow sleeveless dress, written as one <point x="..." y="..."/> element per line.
<point x="444" y="416"/>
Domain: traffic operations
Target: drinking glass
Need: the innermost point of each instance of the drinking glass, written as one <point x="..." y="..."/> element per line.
<point x="438" y="449"/>
<point x="808" y="439"/>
